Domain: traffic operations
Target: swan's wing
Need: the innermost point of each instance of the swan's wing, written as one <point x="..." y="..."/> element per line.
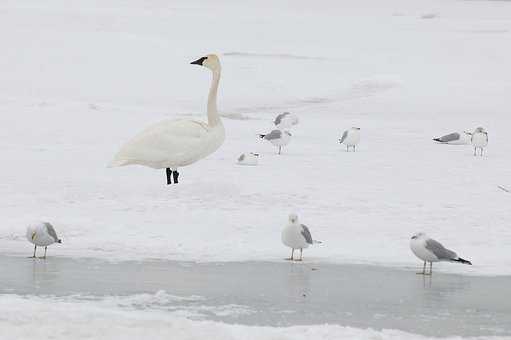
<point x="439" y="250"/>
<point x="162" y="142"/>
<point x="344" y="135"/>
<point x="306" y="234"/>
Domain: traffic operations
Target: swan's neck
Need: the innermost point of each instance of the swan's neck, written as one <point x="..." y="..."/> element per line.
<point x="213" y="117"/>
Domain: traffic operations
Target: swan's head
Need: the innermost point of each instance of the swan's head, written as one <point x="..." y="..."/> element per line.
<point x="210" y="61"/>
<point x="293" y="218"/>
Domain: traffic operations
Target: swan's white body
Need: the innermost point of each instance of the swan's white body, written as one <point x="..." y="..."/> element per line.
<point x="181" y="142"/>
<point x="171" y="144"/>
<point x="248" y="158"/>
<point x="350" y="138"/>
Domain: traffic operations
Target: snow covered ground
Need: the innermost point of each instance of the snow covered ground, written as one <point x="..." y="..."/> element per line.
<point x="107" y="319"/>
<point x="78" y="80"/>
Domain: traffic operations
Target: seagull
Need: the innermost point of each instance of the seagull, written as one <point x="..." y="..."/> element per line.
<point x="296" y="236"/>
<point x="285" y="120"/>
<point x="278" y="138"/>
<point x="455" y="138"/>
<point x="42" y="234"/>
<point x="429" y="250"/>
<point x="249" y="158"/>
<point x="350" y="137"/>
<point x="479" y="139"/>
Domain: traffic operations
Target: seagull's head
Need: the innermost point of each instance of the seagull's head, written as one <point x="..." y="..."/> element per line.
<point x="479" y="130"/>
<point x="418" y="235"/>
<point x="293" y="218"/>
<point x="210" y="61"/>
<point x="254" y="154"/>
<point x="355" y="128"/>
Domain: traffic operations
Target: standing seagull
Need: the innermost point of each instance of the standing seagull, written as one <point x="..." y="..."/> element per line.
<point x="278" y="138"/>
<point x="42" y="234"/>
<point x="429" y="250"/>
<point x="285" y="120"/>
<point x="296" y="236"/>
<point x="455" y="138"/>
<point x="176" y="143"/>
<point x="350" y="137"/>
<point x="479" y="140"/>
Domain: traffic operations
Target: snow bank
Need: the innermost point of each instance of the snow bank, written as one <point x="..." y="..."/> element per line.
<point x="47" y="318"/>
<point x="77" y="82"/>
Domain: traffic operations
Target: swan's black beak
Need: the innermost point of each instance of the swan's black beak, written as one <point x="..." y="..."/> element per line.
<point x="199" y="61"/>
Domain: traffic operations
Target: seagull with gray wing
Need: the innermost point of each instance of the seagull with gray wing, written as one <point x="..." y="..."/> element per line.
<point x="248" y="158"/>
<point x="42" y="234"/>
<point x="278" y="138"/>
<point x="285" y="120"/>
<point x="479" y="140"/>
<point x="429" y="250"/>
<point x="455" y="138"/>
<point x="296" y="236"/>
<point x="351" y="138"/>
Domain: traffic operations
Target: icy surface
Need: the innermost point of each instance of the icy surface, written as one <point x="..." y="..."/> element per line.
<point x="28" y="319"/>
<point x="78" y="80"/>
<point x="275" y="294"/>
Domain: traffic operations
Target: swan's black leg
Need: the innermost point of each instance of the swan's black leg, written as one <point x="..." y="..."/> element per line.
<point x="169" y="176"/>
<point x="176" y="176"/>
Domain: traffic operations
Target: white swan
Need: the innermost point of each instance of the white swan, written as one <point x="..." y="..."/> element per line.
<point x="175" y="143"/>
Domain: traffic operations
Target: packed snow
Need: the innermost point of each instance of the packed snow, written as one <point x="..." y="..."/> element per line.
<point x="111" y="318"/>
<point x="79" y="80"/>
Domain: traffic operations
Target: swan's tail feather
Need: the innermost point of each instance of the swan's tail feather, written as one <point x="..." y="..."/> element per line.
<point x="437" y="140"/>
<point x="261" y="136"/>
<point x="117" y="162"/>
